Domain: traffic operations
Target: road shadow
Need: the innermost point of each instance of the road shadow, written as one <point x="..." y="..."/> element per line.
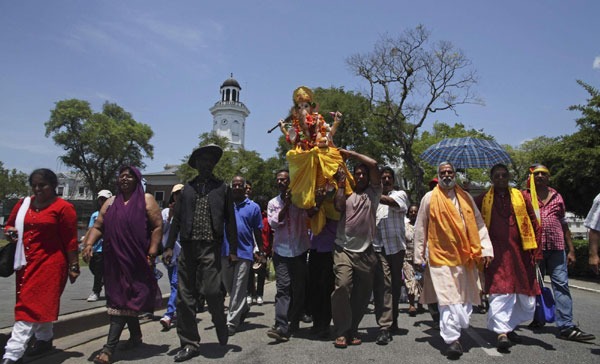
<point x="56" y="356"/>
<point x="254" y="314"/>
<point x="144" y="351"/>
<point x="246" y="326"/>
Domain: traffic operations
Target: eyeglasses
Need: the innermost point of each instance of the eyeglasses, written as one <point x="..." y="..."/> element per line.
<point x="447" y="172"/>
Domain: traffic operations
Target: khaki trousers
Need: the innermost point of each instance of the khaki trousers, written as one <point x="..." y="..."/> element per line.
<point x="353" y="285"/>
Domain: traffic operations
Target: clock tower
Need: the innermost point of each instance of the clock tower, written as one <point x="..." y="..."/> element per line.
<point x="229" y="114"/>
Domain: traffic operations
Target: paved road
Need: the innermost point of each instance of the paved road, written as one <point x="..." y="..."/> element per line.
<point x="74" y="298"/>
<point x="418" y="342"/>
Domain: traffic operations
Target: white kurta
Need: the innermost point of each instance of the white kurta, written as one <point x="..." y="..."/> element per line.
<point x="448" y="285"/>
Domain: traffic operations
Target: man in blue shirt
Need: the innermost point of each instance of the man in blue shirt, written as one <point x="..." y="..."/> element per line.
<point x="96" y="264"/>
<point x="235" y="273"/>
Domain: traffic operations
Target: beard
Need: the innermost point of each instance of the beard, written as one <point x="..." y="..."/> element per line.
<point x="447" y="182"/>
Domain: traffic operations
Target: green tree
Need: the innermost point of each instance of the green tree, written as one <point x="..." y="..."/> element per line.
<point x="575" y="162"/>
<point x="13" y="183"/>
<point x="536" y="150"/>
<point x="408" y="80"/>
<point x="97" y="144"/>
<point x="245" y="163"/>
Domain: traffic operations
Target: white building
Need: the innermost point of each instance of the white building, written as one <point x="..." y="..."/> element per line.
<point x="578" y="230"/>
<point x="72" y="186"/>
<point x="229" y="114"/>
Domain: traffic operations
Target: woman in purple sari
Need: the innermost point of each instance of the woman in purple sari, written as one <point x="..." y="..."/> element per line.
<point x="131" y="225"/>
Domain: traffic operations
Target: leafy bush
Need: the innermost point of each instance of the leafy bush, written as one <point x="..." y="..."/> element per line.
<point x="581" y="267"/>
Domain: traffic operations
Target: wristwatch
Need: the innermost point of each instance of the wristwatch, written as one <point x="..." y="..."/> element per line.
<point x="74" y="268"/>
<point x="261" y="254"/>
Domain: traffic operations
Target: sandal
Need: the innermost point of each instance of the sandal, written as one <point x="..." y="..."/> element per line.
<point x="98" y="359"/>
<point x="355" y="340"/>
<point x="340" y="342"/>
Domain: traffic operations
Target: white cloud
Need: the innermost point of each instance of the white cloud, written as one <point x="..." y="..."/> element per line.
<point x="597" y="63"/>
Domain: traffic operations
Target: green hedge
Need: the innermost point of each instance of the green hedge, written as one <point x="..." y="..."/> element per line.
<point x="581" y="267"/>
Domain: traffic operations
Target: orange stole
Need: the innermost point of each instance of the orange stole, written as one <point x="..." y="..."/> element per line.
<point x="448" y="242"/>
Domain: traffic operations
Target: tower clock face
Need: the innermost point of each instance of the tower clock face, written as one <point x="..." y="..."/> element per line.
<point x="224" y="122"/>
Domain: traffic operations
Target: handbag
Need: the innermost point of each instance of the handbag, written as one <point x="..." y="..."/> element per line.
<point x="544" y="302"/>
<point x="7" y="259"/>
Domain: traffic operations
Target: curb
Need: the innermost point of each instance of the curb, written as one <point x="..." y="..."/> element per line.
<point x="79" y="321"/>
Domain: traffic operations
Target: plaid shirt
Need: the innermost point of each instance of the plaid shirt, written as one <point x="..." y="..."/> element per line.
<point x="553" y="218"/>
<point x="390" y="224"/>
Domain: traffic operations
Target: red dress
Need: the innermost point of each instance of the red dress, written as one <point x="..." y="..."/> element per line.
<point x="48" y="235"/>
<point x="513" y="269"/>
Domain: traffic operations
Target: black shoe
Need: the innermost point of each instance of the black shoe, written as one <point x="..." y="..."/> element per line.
<point x="40" y="347"/>
<point x="222" y="334"/>
<point x="394" y="328"/>
<point x="275" y="333"/>
<point x="9" y="361"/>
<point x="503" y="343"/>
<point x="186" y="353"/>
<point x="307" y="319"/>
<point x="383" y="338"/>
<point x="575" y="334"/>
<point x="513" y="337"/>
<point x="230" y="330"/>
<point x="455" y="350"/>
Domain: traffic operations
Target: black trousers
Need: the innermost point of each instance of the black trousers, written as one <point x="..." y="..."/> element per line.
<point x="199" y="261"/>
<point x="259" y="289"/>
<point x="97" y="268"/>
<point x="117" y="323"/>
<point x="290" y="281"/>
<point x="320" y="286"/>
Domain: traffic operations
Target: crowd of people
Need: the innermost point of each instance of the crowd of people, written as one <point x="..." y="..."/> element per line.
<point x="448" y="251"/>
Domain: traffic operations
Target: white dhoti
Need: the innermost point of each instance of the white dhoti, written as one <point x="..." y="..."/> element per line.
<point x="21" y="333"/>
<point x="453" y="318"/>
<point x="509" y="310"/>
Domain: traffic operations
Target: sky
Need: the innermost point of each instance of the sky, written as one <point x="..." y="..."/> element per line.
<point x="164" y="61"/>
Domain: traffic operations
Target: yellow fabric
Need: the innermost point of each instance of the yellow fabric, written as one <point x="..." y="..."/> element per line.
<point x="450" y="242"/>
<point x="312" y="169"/>
<point x="523" y="222"/>
<point x="534" y="199"/>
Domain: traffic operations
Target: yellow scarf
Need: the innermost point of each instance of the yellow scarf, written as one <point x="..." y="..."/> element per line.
<point x="534" y="199"/>
<point x="450" y="241"/>
<point x="523" y="221"/>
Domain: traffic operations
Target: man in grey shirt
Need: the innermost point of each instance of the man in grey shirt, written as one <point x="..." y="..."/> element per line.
<point x="353" y="257"/>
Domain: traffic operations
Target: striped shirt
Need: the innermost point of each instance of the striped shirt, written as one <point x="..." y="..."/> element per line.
<point x="390" y="224"/>
<point x="592" y="221"/>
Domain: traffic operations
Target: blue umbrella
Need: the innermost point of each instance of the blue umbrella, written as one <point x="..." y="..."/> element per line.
<point x="466" y="152"/>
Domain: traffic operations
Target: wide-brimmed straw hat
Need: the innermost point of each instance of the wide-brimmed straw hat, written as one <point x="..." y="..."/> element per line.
<point x="211" y="149"/>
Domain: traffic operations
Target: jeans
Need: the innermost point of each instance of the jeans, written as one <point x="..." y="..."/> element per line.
<point x="555" y="264"/>
<point x="172" y="272"/>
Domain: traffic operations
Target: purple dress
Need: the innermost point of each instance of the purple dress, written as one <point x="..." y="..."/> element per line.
<point x="129" y="281"/>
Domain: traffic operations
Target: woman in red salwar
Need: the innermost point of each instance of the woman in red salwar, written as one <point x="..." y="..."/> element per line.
<point x="44" y="227"/>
